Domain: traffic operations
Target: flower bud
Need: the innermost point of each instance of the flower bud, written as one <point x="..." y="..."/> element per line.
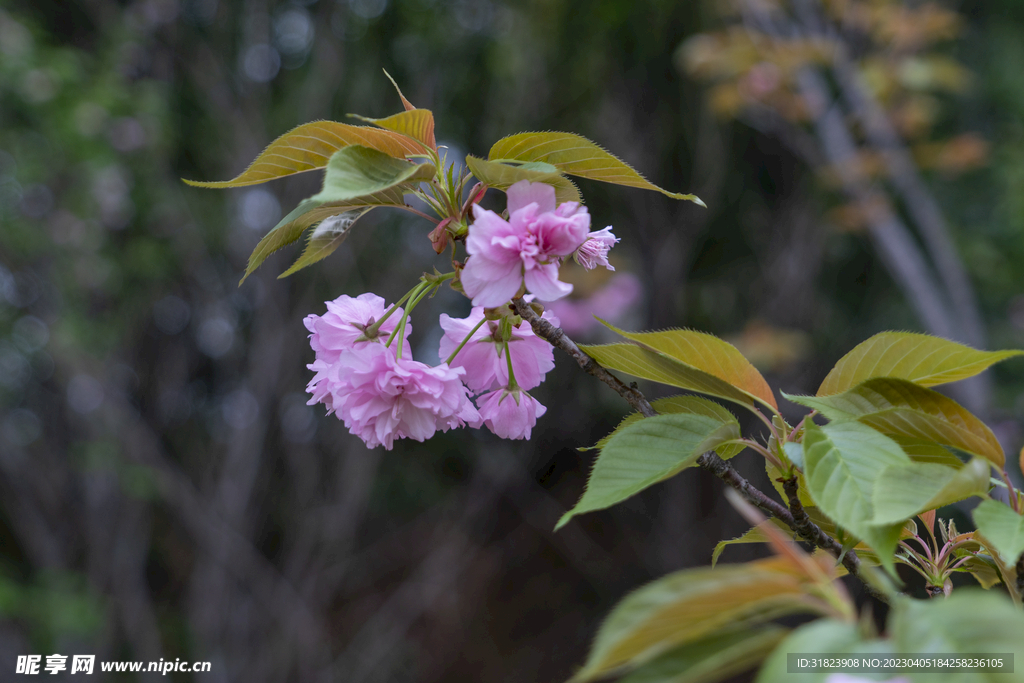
<point x="439" y="236"/>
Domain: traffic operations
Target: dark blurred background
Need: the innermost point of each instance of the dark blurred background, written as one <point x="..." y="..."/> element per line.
<point x="164" y="490"/>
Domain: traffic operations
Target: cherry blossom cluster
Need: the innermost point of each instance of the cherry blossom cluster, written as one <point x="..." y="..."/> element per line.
<point x="364" y="372"/>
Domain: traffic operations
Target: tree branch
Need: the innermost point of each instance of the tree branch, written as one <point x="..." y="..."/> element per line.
<point x="801" y="524"/>
<point x="804" y="526"/>
<point x="556" y="337"/>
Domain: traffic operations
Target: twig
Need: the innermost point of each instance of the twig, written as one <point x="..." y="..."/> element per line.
<point x="804" y="525"/>
<point x="807" y="529"/>
<point x="556" y="337"/>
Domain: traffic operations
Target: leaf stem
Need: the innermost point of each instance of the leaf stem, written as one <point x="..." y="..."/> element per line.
<point x="465" y="341"/>
<point x="512" y="385"/>
<point x="754" y="445"/>
<point x="1014" y="498"/>
<point x="371" y="331"/>
<point x="764" y="418"/>
<point x="808" y="416"/>
<point x="415" y="291"/>
<point x="410" y="209"/>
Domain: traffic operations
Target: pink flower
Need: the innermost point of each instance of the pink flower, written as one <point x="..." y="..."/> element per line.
<point x="610" y="302"/>
<point x="345" y="321"/>
<point x="483" y="356"/>
<point x="526" y="248"/>
<point x="594" y="252"/>
<point x="510" y="414"/>
<point x="381" y="397"/>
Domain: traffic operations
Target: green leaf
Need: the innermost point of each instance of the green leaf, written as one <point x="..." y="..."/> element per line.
<point x="502" y="176"/>
<point x="417" y="124"/>
<point x="899" y="407"/>
<point x="823" y="636"/>
<point x="709" y="354"/>
<point x="795" y="452"/>
<point x="903" y="491"/>
<point x="647" y="451"/>
<point x="681" y="404"/>
<point x="969" y="622"/>
<point x="311" y="146"/>
<point x="358" y="171"/>
<point x="844" y="460"/>
<point x="1002" y="529"/>
<point x="641" y="362"/>
<point x="689" y="605"/>
<point x="710" y="659"/>
<point x="309" y="212"/>
<point x="920" y="358"/>
<point x="327" y="237"/>
<point x="575" y="155"/>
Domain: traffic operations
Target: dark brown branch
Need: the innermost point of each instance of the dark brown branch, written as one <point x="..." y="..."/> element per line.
<point x="1020" y="575"/>
<point x="804" y="527"/>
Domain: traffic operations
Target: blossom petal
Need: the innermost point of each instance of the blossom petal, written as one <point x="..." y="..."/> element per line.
<point x="525" y="193"/>
<point x="543" y="281"/>
<point x="490" y="283"/>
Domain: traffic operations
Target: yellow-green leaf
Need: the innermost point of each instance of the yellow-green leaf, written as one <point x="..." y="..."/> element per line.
<point x="405" y="103"/>
<point x="1001" y="528"/>
<point x="681" y="404"/>
<point x="903" y="491"/>
<point x="755" y="535"/>
<point x="647" y="364"/>
<point x="327" y="237"/>
<point x="982" y="568"/>
<point x="709" y="354"/>
<point x="309" y="212"/>
<point x="644" y="452"/>
<point x="502" y="176"/>
<point x="689" y="605"/>
<point x="575" y="155"/>
<point x="710" y="659"/>
<point x="920" y="358"/>
<point x="415" y="123"/>
<point x="311" y="146"/>
<point x="900" y="407"/>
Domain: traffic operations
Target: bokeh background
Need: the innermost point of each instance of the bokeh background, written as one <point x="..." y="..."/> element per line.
<point x="164" y="490"/>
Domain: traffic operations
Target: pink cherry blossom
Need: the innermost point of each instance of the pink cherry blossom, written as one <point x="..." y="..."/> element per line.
<point x="381" y="397"/>
<point x="526" y="249"/>
<point x="345" y="321"/>
<point x="483" y="356"/>
<point x="594" y="252"/>
<point x="510" y="414"/>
